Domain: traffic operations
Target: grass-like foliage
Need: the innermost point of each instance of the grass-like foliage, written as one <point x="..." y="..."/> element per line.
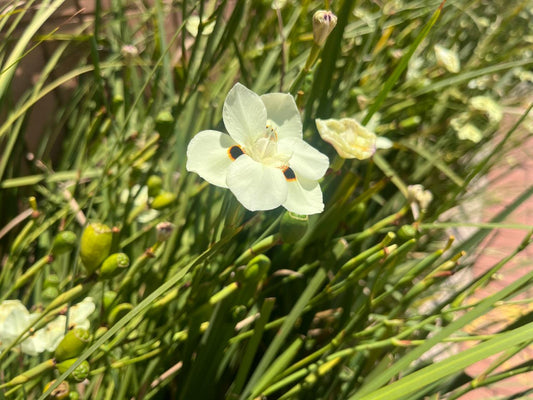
<point x="203" y="299"/>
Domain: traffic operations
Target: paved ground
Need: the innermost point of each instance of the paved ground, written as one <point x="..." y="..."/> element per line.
<point x="506" y="183"/>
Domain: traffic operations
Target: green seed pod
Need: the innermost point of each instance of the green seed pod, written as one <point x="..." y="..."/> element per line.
<point x="74" y="395"/>
<point x="51" y="280"/>
<point x="238" y="312"/>
<point x="164" y="123"/>
<point x="162" y="200"/>
<point x="118" y="312"/>
<point x="50" y="293"/>
<point x="109" y="298"/>
<point x="60" y="392"/>
<point x="407" y="232"/>
<point x="74" y="342"/>
<point x="95" y="245"/>
<point x="114" y="265"/>
<point x="79" y="373"/>
<point x="293" y="227"/>
<point x="257" y="268"/>
<point x="154" y="184"/>
<point x="63" y="242"/>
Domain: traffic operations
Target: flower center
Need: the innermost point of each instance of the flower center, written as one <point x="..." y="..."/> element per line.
<point x="265" y="149"/>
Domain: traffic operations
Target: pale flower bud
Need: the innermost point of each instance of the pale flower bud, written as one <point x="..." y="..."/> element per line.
<point x="323" y="23"/>
<point x="348" y="137"/>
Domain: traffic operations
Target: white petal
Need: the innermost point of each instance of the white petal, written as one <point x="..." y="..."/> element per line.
<point x="244" y="115"/>
<point x="306" y="161"/>
<point x="79" y="313"/>
<point x="207" y="155"/>
<point x="304" y="197"/>
<point x="282" y="110"/>
<point x="256" y="186"/>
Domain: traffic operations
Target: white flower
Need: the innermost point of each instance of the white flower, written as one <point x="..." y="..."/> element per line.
<point x="348" y="137"/>
<point x="264" y="160"/>
<point x="488" y="106"/>
<point x="16" y="319"/>
<point x="447" y="58"/>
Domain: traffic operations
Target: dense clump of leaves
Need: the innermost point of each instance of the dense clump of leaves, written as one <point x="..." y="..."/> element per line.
<point x="218" y="302"/>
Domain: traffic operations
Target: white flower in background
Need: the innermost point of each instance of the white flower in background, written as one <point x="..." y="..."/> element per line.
<point x="348" y="137"/>
<point x="447" y="58"/>
<point x="15" y="319"/>
<point x="469" y="132"/>
<point x="418" y="197"/>
<point x="193" y="26"/>
<point x="487" y="106"/>
<point x="263" y="161"/>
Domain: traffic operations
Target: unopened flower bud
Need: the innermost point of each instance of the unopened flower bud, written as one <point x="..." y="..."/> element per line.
<point x="51" y="280"/>
<point x="323" y="23"/>
<point x="109" y="298"/>
<point x="114" y="265"/>
<point x="63" y="242"/>
<point x="60" y="392"/>
<point x="293" y="227"/>
<point x="95" y="245"/>
<point x="164" y="123"/>
<point x="162" y="200"/>
<point x="163" y="231"/>
<point x="79" y="373"/>
<point x="74" y="342"/>
<point x="257" y="268"/>
<point x="407" y="232"/>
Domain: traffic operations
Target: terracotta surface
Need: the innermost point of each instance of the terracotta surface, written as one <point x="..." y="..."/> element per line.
<point x="505" y="184"/>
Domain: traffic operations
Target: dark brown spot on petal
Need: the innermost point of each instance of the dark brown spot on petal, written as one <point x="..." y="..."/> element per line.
<point x="289" y="174"/>
<point x="234" y="152"/>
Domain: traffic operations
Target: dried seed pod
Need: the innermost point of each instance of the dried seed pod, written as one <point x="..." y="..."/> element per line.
<point x="80" y="372"/>
<point x="293" y="227"/>
<point x="162" y="200"/>
<point x="63" y="242"/>
<point x="95" y="246"/>
<point x="114" y="265"/>
<point x="60" y="392"/>
<point x="74" y="342"/>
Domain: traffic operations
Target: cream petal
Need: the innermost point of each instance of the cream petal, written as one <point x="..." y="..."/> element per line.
<point x="282" y="110"/>
<point x="207" y="155"/>
<point x="305" y="160"/>
<point x="304" y="197"/>
<point x="244" y="115"/>
<point x="255" y="185"/>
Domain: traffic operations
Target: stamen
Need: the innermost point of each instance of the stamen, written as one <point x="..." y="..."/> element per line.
<point x="234" y="152"/>
<point x="289" y="174"/>
<point x="271" y="132"/>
